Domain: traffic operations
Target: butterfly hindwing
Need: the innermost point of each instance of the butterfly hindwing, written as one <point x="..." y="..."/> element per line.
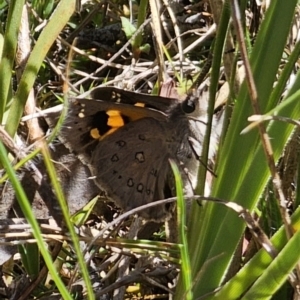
<point x="130" y="163"/>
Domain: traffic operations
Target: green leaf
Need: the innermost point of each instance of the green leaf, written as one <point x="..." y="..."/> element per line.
<point x="56" y="23"/>
<point x="9" y="51"/>
<point x="127" y="27"/>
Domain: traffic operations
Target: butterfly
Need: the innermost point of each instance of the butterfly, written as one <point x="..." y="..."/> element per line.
<point x="126" y="139"/>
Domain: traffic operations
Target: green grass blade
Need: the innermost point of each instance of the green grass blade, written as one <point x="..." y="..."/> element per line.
<point x="31" y="259"/>
<point x="241" y="282"/>
<point x="9" y="51"/>
<point x="142" y="15"/>
<point x="51" y="31"/>
<point x="277" y="272"/>
<point x="64" y="208"/>
<point x="286" y="72"/>
<point x="242" y="171"/>
<point x="26" y="208"/>
<point x="181" y="219"/>
<point x="217" y="53"/>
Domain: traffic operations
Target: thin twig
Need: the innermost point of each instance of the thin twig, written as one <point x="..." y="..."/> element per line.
<point x="176" y="30"/>
<point x="257" y="119"/>
<point x="23" y="52"/>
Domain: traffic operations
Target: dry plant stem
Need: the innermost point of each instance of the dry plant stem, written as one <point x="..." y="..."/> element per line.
<point x="121" y="218"/>
<point x="10" y="144"/>
<point x="126" y="215"/>
<point x="21" y="224"/>
<point x="21" y="238"/>
<point x="176" y="30"/>
<point x="254" y="227"/>
<point x="44" y="113"/>
<point x="57" y="234"/>
<point x="256" y="119"/>
<point x="145" y="68"/>
<point x="264" y="136"/>
<point x="123" y="269"/>
<point x="262" y="131"/>
<point x="211" y="32"/>
<point x="166" y="30"/>
<point x="20" y="154"/>
<point x="118" y="221"/>
<point x="34" y="13"/>
<point x="156" y="28"/>
<point x="22" y="55"/>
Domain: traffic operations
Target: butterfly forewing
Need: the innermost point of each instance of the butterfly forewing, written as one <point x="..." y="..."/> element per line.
<point x="89" y="120"/>
<point x="130" y="162"/>
<point x="163" y="104"/>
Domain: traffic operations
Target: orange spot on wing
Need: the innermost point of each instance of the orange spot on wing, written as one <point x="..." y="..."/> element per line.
<point x="94" y="133"/>
<point x="115" y="121"/>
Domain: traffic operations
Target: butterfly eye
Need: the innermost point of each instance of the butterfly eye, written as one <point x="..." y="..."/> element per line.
<point x="189" y="104"/>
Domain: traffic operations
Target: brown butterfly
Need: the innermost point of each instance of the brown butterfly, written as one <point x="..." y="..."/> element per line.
<point x="127" y="139"/>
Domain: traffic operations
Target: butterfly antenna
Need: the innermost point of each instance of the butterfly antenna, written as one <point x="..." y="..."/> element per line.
<point x="201" y="162"/>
